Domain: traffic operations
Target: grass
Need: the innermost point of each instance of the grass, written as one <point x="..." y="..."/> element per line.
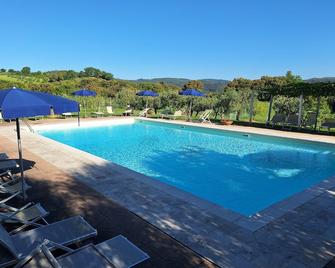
<point x="19" y="78"/>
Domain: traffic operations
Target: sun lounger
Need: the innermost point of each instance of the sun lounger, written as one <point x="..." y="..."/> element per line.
<point x="3" y="156"/>
<point x="121" y="252"/>
<point x="66" y="232"/>
<point x="128" y="112"/>
<point x="204" y="117"/>
<point x="97" y="114"/>
<point x="292" y="121"/>
<point x="35" y="118"/>
<point x="13" y="186"/>
<point x="87" y="256"/>
<point x="117" y="252"/>
<point x="144" y="112"/>
<point x="311" y="120"/>
<point x="172" y="116"/>
<point x="27" y="216"/>
<point x="67" y="115"/>
<point x="328" y="123"/>
<point x="277" y="119"/>
<point x="8" y="165"/>
<point x="109" y="110"/>
<point x="6" y="177"/>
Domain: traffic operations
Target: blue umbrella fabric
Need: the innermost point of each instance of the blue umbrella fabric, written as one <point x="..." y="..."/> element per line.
<point x="147" y="93"/>
<point x="192" y="93"/>
<point x="84" y="92"/>
<point x="16" y="103"/>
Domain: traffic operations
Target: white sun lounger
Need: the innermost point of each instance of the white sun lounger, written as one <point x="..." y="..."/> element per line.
<point x="144" y="112"/>
<point x="27" y="216"/>
<point x="117" y="252"/>
<point x="121" y="252"/>
<point x="97" y="114"/>
<point x="67" y="115"/>
<point x="176" y="114"/>
<point x="109" y="110"/>
<point x="87" y="256"/>
<point x="204" y="117"/>
<point x="66" y="232"/>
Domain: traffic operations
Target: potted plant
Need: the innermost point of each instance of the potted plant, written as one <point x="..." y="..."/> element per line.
<point x="226" y="122"/>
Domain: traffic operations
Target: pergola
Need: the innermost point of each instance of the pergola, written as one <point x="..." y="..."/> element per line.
<point x="300" y="90"/>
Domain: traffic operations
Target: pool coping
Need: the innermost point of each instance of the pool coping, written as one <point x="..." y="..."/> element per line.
<point x="251" y="223"/>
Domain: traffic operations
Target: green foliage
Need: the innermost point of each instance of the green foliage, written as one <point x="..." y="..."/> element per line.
<point x="25" y="70"/>
<point x="285" y="105"/>
<point x="94" y="72"/>
<point x="212" y="85"/>
<point x="234" y="98"/>
<point x="292" y="79"/>
<point x="194" y="84"/>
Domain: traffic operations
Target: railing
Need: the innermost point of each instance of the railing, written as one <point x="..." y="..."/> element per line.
<point x="28" y="125"/>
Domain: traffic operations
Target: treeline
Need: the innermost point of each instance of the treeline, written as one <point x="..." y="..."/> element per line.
<point x="53" y="76"/>
<point x="235" y="98"/>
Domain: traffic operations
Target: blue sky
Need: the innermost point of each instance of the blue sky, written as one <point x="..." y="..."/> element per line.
<point x="173" y="38"/>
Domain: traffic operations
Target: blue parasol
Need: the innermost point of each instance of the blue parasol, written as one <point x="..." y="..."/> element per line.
<point x="17" y="103"/>
<point x="147" y="93"/>
<point x="85" y="93"/>
<point x="193" y="93"/>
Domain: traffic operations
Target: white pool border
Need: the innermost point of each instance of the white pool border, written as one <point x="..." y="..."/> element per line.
<point x="252" y="223"/>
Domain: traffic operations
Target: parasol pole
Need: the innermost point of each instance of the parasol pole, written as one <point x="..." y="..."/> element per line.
<point x="20" y="155"/>
<point x="78" y="114"/>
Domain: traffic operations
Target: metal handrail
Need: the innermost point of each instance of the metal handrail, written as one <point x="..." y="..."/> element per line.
<point x="28" y="125"/>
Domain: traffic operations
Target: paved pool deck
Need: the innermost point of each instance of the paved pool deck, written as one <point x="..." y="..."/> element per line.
<point x="302" y="235"/>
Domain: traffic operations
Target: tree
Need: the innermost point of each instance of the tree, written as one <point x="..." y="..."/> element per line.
<point x="284" y="105"/>
<point x="194" y="84"/>
<point x="25" y="70"/>
<point x="94" y="72"/>
<point x="2" y="70"/>
<point x="11" y="71"/>
<point x="291" y="78"/>
<point x="226" y="103"/>
<point x="244" y="89"/>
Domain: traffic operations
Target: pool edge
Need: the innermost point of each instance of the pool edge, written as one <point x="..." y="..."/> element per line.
<point x="251" y="223"/>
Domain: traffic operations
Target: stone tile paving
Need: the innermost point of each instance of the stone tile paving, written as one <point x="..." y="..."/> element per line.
<point x="63" y="196"/>
<point x="304" y="237"/>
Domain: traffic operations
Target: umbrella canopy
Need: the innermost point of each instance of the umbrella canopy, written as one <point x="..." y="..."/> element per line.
<point x="84" y="92"/>
<point x="16" y="103"/>
<point x="147" y="93"/>
<point x="192" y="92"/>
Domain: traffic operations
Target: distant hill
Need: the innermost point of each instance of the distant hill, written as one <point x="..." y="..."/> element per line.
<point x="322" y="79"/>
<point x="209" y="84"/>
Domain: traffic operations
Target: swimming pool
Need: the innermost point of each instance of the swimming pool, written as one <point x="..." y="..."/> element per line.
<point x="244" y="173"/>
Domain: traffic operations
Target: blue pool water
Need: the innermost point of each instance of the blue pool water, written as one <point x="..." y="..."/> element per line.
<point x="245" y="174"/>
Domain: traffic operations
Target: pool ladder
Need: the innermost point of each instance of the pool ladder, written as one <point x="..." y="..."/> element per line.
<point x="28" y="125"/>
